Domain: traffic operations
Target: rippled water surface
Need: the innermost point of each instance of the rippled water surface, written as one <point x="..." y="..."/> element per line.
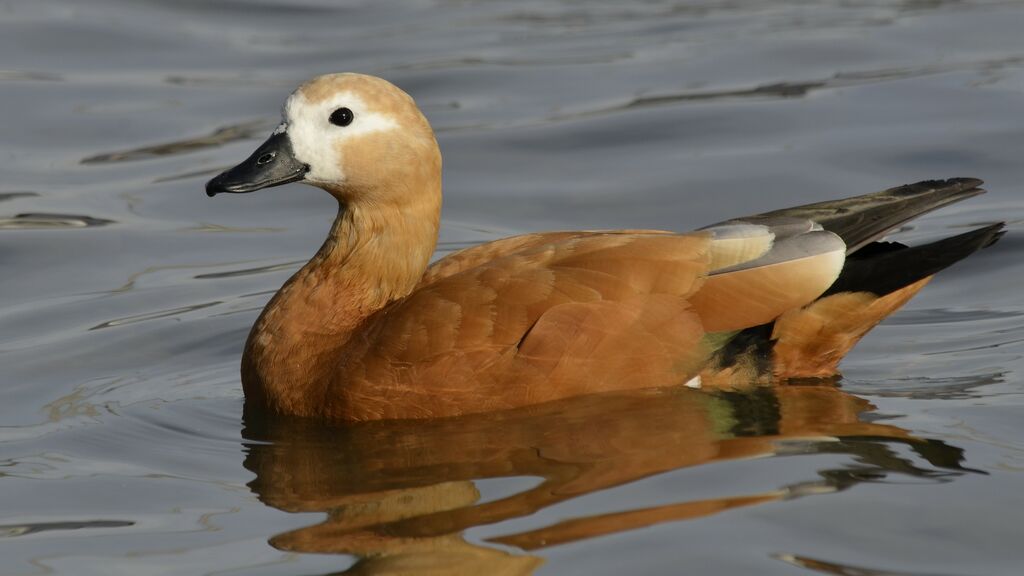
<point x="126" y="294"/>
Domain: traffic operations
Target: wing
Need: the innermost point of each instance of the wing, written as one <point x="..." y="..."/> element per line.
<point x="809" y="243"/>
<point x="797" y="268"/>
<point x="571" y="313"/>
<point x="529" y="326"/>
<point x="483" y="253"/>
<point x="859" y="220"/>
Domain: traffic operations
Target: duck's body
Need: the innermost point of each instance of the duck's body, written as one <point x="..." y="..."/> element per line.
<point x="366" y="330"/>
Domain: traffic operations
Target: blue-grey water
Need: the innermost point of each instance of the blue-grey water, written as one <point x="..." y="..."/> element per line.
<point x="126" y="294"/>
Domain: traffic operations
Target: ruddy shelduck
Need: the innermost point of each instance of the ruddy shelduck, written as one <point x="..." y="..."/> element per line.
<point x="369" y="329"/>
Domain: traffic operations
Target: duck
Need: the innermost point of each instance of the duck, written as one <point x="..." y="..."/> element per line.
<point x="370" y="329"/>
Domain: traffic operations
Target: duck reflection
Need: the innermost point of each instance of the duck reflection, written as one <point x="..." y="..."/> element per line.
<point x="400" y="494"/>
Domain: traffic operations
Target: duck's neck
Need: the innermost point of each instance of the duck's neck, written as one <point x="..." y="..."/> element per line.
<point x="375" y="254"/>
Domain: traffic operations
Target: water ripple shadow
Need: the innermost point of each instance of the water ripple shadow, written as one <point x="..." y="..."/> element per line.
<point x="219" y="137"/>
<point x="467" y="61"/>
<point x="781" y="90"/>
<point x="154" y="315"/>
<point x="4" y="196"/>
<point x="192" y="174"/>
<point x="29" y="76"/>
<point x="946" y="388"/>
<point x="800" y="89"/>
<point x="837" y="569"/>
<point x="250" y="271"/>
<point x="15" y="530"/>
<point x="928" y="316"/>
<point x="46" y="221"/>
<point x="220" y="228"/>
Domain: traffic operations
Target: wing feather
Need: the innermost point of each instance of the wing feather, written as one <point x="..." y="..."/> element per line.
<point x="585" y="313"/>
<point x="792" y="274"/>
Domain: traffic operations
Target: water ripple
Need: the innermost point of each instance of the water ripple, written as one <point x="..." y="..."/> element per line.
<point x="785" y="89"/>
<point x="28" y="76"/>
<point x="42" y="220"/>
<point x="15" y="530"/>
<point x="250" y="271"/>
<point x="837" y="569"/>
<point x="219" y="137"/>
<point x="154" y="315"/>
<point x="4" y="196"/>
<point x="947" y="316"/>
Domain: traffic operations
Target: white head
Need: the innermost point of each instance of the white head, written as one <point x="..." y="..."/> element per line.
<point x="356" y="136"/>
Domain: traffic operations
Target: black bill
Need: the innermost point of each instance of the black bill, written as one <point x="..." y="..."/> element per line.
<point x="272" y="164"/>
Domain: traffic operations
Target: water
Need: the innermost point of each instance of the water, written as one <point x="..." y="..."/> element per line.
<point x="126" y="294"/>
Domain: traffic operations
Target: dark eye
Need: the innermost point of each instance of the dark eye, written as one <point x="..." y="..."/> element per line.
<point x="341" y="117"/>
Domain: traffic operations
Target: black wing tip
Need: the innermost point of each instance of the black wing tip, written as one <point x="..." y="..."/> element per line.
<point x="871" y="216"/>
<point x="951" y="185"/>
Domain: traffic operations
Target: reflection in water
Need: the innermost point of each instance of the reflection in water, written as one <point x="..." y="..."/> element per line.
<point x="399" y="494"/>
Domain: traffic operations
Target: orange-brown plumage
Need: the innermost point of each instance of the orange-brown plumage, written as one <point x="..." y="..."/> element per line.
<point x="367" y="330"/>
<point x="810" y="341"/>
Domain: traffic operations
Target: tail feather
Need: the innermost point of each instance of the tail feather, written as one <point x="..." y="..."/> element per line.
<point x="876" y="280"/>
<point x="884" y="267"/>
<point x="810" y="342"/>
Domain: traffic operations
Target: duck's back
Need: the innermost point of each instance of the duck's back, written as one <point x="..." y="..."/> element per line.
<point x="539" y="317"/>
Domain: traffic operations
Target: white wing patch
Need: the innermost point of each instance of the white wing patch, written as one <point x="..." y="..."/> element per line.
<point x="734" y="244"/>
